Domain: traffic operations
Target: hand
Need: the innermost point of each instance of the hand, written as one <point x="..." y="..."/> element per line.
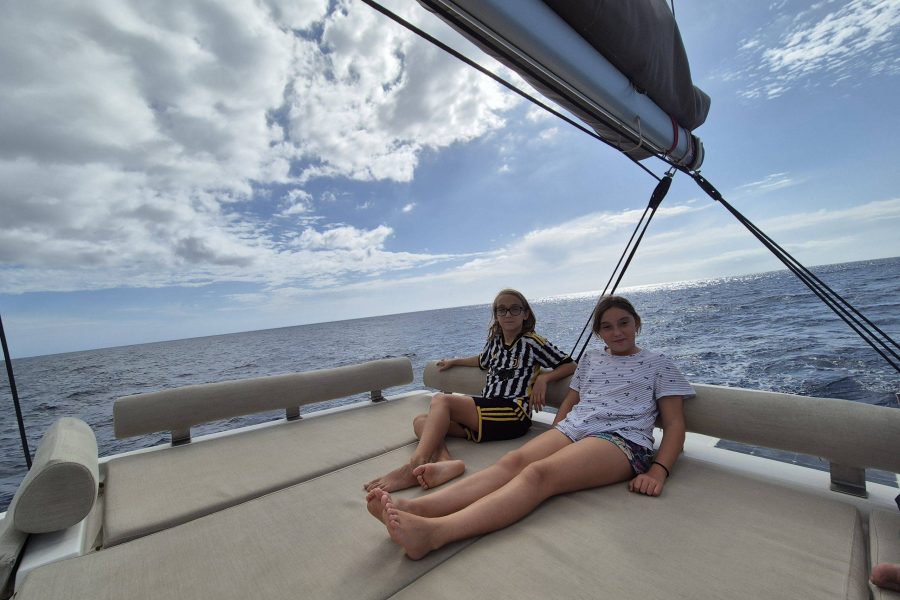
<point x="444" y="364"/>
<point x="648" y="484"/>
<point x="538" y="393"/>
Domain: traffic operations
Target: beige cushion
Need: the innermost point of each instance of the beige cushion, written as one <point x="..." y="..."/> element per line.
<point x="884" y="546"/>
<point x="61" y="486"/>
<point x="156" y="490"/>
<point x="848" y="433"/>
<point x="312" y="540"/>
<point x="711" y="534"/>
<point x="851" y="434"/>
<point x="179" y="409"/>
<point x="11" y="542"/>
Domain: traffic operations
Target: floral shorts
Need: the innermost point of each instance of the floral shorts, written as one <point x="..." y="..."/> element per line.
<point x="638" y="456"/>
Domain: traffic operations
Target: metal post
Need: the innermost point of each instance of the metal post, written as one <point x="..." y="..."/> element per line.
<point x="15" y="395"/>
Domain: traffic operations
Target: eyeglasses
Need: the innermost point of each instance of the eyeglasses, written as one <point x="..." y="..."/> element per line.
<point x="512" y="310"/>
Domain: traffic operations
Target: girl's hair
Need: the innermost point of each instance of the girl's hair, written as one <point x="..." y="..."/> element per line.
<point x="527" y="325"/>
<point x="608" y="302"/>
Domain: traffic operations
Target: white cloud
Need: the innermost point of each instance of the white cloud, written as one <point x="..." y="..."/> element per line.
<point x="408" y="208"/>
<point x="143" y="132"/>
<point x="844" y="40"/>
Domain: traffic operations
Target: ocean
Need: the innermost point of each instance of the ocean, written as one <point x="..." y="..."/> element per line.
<point x="765" y="331"/>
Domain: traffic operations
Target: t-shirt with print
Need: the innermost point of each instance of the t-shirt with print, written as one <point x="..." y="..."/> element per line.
<point x="618" y="394"/>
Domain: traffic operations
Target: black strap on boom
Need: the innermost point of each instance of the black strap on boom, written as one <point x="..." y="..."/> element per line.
<point x="662" y="188"/>
<point x="866" y="329"/>
<point x="15" y="394"/>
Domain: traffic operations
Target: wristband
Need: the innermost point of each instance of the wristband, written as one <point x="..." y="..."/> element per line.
<point x="663" y="468"/>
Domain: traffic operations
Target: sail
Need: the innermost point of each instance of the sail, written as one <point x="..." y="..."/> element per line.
<point x="618" y="66"/>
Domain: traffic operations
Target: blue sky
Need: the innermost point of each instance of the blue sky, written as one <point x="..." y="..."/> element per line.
<point x="188" y="168"/>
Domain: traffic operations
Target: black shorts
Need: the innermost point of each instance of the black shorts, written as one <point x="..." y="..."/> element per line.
<point x="499" y="419"/>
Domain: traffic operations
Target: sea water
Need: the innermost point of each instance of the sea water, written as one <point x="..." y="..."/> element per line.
<point x="765" y="331"/>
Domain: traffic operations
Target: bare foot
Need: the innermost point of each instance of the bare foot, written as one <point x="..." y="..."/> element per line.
<point x="432" y="475"/>
<point x="398" y="479"/>
<point x="375" y="504"/>
<point x="886" y="575"/>
<point x="413" y="533"/>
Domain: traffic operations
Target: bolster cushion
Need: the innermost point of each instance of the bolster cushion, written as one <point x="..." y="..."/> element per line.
<point x="61" y="487"/>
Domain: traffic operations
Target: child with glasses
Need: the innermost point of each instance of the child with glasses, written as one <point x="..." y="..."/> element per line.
<point x="603" y="435"/>
<point x="514" y="357"/>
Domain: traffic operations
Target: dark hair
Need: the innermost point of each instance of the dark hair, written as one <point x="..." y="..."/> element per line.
<point x="527" y="325"/>
<point x="608" y="302"/>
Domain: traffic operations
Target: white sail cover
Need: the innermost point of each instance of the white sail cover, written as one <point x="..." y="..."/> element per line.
<point x="619" y="66"/>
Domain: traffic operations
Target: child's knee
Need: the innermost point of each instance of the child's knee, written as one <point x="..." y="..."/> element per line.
<point x="513" y="462"/>
<point x="440" y="400"/>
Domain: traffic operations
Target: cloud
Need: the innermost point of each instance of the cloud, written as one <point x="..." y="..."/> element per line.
<point x="141" y="142"/>
<point x="844" y="41"/>
<point x="769" y="183"/>
<point x="408" y="208"/>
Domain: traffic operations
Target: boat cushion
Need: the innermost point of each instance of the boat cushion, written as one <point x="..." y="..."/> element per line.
<point x="61" y="486"/>
<point x="852" y="434"/>
<point x="11" y="542"/>
<point x="884" y="546"/>
<point x="711" y="534"/>
<point x="312" y="540"/>
<point x="155" y="490"/>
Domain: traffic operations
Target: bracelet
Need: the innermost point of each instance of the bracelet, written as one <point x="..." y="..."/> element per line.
<point x="663" y="468"/>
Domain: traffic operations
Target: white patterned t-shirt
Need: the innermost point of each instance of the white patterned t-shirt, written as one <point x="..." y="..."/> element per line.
<point x="619" y="393"/>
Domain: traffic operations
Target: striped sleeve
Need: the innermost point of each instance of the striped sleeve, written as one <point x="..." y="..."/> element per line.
<point x="485" y="356"/>
<point x="670" y="381"/>
<point x="545" y="353"/>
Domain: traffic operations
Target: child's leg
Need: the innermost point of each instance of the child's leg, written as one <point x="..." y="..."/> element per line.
<point x="441" y="453"/>
<point x="444" y="410"/>
<point x="480" y="484"/>
<point x="591" y="462"/>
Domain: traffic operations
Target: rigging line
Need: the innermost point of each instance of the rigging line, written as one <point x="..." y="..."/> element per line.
<point x="807" y="280"/>
<point x="611" y="276"/>
<point x="843" y="304"/>
<point x="656" y="198"/>
<point x="829" y="302"/>
<point x="840" y="303"/>
<point x="781" y="254"/>
<point x="15" y="395"/>
<point x="832" y="299"/>
<point x="426" y="36"/>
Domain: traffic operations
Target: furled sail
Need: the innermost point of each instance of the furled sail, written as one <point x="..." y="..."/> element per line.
<point x="618" y="66"/>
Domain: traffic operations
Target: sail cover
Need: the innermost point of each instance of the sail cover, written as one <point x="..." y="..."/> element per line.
<point x="619" y="66"/>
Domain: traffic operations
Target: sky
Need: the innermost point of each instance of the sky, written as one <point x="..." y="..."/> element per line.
<point x="173" y="169"/>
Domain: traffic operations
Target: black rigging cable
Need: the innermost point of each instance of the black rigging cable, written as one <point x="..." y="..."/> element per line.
<point x="656" y="198"/>
<point x="843" y="309"/>
<point x="15" y="394"/>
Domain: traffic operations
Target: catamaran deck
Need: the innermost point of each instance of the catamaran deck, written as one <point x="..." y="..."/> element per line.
<point x="279" y="511"/>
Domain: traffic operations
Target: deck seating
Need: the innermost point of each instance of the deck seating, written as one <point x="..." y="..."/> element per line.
<point x="153" y="491"/>
<point x="884" y="546"/>
<point x="714" y="532"/>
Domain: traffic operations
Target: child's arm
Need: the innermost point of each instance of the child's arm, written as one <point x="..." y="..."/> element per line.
<point x="539" y="389"/>
<point x="446" y="363"/>
<point x="671" y="415"/>
<point x="572" y="398"/>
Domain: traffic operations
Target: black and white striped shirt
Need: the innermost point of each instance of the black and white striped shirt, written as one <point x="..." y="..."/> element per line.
<point x="513" y="369"/>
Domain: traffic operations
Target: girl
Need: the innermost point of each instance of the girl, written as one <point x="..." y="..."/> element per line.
<point x="603" y="434"/>
<point x="513" y="357"/>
